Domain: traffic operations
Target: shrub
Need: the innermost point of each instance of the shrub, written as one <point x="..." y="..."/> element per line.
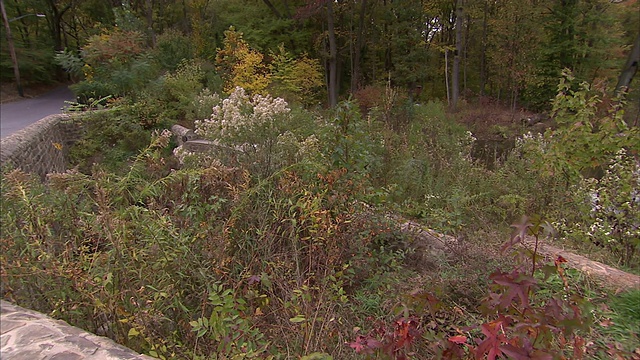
<point x="70" y="62"/>
<point x="115" y="63"/>
<point x="35" y="62"/>
<point x="585" y="139"/>
<point x="172" y="48"/>
<point x="610" y="209"/>
<point x="114" y="48"/>
<point x="111" y="137"/>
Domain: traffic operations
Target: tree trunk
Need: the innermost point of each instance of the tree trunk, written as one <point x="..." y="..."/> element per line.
<point x="355" y="70"/>
<point x="630" y="67"/>
<point x="149" y="16"/>
<point x="12" y="50"/>
<point x="55" y="23"/>
<point x="465" y="52"/>
<point x="332" y="81"/>
<point x="273" y="9"/>
<point x="446" y="75"/>
<point x="483" y="55"/>
<point x="455" y="76"/>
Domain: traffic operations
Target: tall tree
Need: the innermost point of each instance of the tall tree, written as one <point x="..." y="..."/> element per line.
<point x="455" y="76"/>
<point x="357" y="48"/>
<point x="630" y="68"/>
<point x="56" y="10"/>
<point x="12" y="50"/>
<point x="332" y="66"/>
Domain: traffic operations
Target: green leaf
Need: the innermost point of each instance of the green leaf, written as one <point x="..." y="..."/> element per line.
<point x="317" y="356"/>
<point x="264" y="279"/>
<point x="133" y="333"/>
<point x="298" y="319"/>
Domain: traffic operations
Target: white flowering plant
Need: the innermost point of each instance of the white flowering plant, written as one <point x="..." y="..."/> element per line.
<point x="258" y="128"/>
<point x="610" y="208"/>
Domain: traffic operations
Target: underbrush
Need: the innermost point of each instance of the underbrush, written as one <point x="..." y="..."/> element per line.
<point x="287" y="242"/>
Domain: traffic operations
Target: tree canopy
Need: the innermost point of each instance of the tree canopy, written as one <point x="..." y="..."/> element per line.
<point x="511" y="50"/>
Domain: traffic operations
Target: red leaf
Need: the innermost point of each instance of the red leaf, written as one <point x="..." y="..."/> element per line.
<point x="520" y="231"/>
<point x="458" y="339"/>
<point x="491" y="344"/>
<point x="517" y="285"/>
<point x="560" y="260"/>
<point x="515" y="352"/>
<point x="364" y="344"/>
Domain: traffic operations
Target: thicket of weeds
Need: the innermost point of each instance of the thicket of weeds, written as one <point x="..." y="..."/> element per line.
<point x="283" y="248"/>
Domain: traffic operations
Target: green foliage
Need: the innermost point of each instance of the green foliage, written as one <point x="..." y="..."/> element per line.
<point x="167" y="100"/>
<point x="172" y="48"/>
<point x="35" y="63"/>
<point x="229" y="325"/>
<point x="586" y="170"/>
<point x="527" y="314"/>
<point x="111" y="137"/>
<point x="284" y="229"/>
<point x="202" y="104"/>
<point x="585" y="139"/>
<point x="126" y="19"/>
<point x="579" y="35"/>
<point x="93" y="260"/>
<point x="70" y="62"/>
<point x="115" y="63"/>
<point x="623" y="319"/>
<point x="350" y="142"/>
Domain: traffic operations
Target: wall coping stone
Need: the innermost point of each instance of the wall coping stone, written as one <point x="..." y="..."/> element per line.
<point x="41" y="147"/>
<point x="27" y="334"/>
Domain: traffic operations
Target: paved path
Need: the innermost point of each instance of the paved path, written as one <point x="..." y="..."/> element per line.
<point x="19" y="114"/>
<point x="29" y="335"/>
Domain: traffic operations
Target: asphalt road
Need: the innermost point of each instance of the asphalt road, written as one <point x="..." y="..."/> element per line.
<point x="19" y="114"/>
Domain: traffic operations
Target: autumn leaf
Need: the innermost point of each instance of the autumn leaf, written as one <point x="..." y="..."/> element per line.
<point x="518" y="235"/>
<point x="458" y="339"/>
<point x="491" y="344"/>
<point x="518" y="286"/>
<point x="365" y="344"/>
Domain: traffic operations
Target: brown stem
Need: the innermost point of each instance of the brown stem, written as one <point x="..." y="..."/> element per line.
<point x="535" y="252"/>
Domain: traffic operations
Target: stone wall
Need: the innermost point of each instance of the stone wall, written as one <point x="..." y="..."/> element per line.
<point x="42" y="147"/>
<point x="27" y="334"/>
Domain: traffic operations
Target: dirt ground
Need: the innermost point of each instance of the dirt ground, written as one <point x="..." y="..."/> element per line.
<point x="9" y="91"/>
<point x="490" y="120"/>
<point x="606" y="275"/>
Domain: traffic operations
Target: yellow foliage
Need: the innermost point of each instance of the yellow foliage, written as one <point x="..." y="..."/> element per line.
<point x="249" y="73"/>
<point x="239" y="65"/>
<point x="300" y="77"/>
<point x="88" y="72"/>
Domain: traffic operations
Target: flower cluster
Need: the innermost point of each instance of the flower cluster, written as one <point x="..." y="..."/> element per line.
<point x="239" y="114"/>
<point x="181" y="153"/>
<point x="612" y="206"/>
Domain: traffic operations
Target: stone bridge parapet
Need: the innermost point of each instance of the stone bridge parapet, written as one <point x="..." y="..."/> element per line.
<point x="43" y="147"/>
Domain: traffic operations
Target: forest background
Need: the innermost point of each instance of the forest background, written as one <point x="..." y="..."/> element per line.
<point x="334" y="123"/>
